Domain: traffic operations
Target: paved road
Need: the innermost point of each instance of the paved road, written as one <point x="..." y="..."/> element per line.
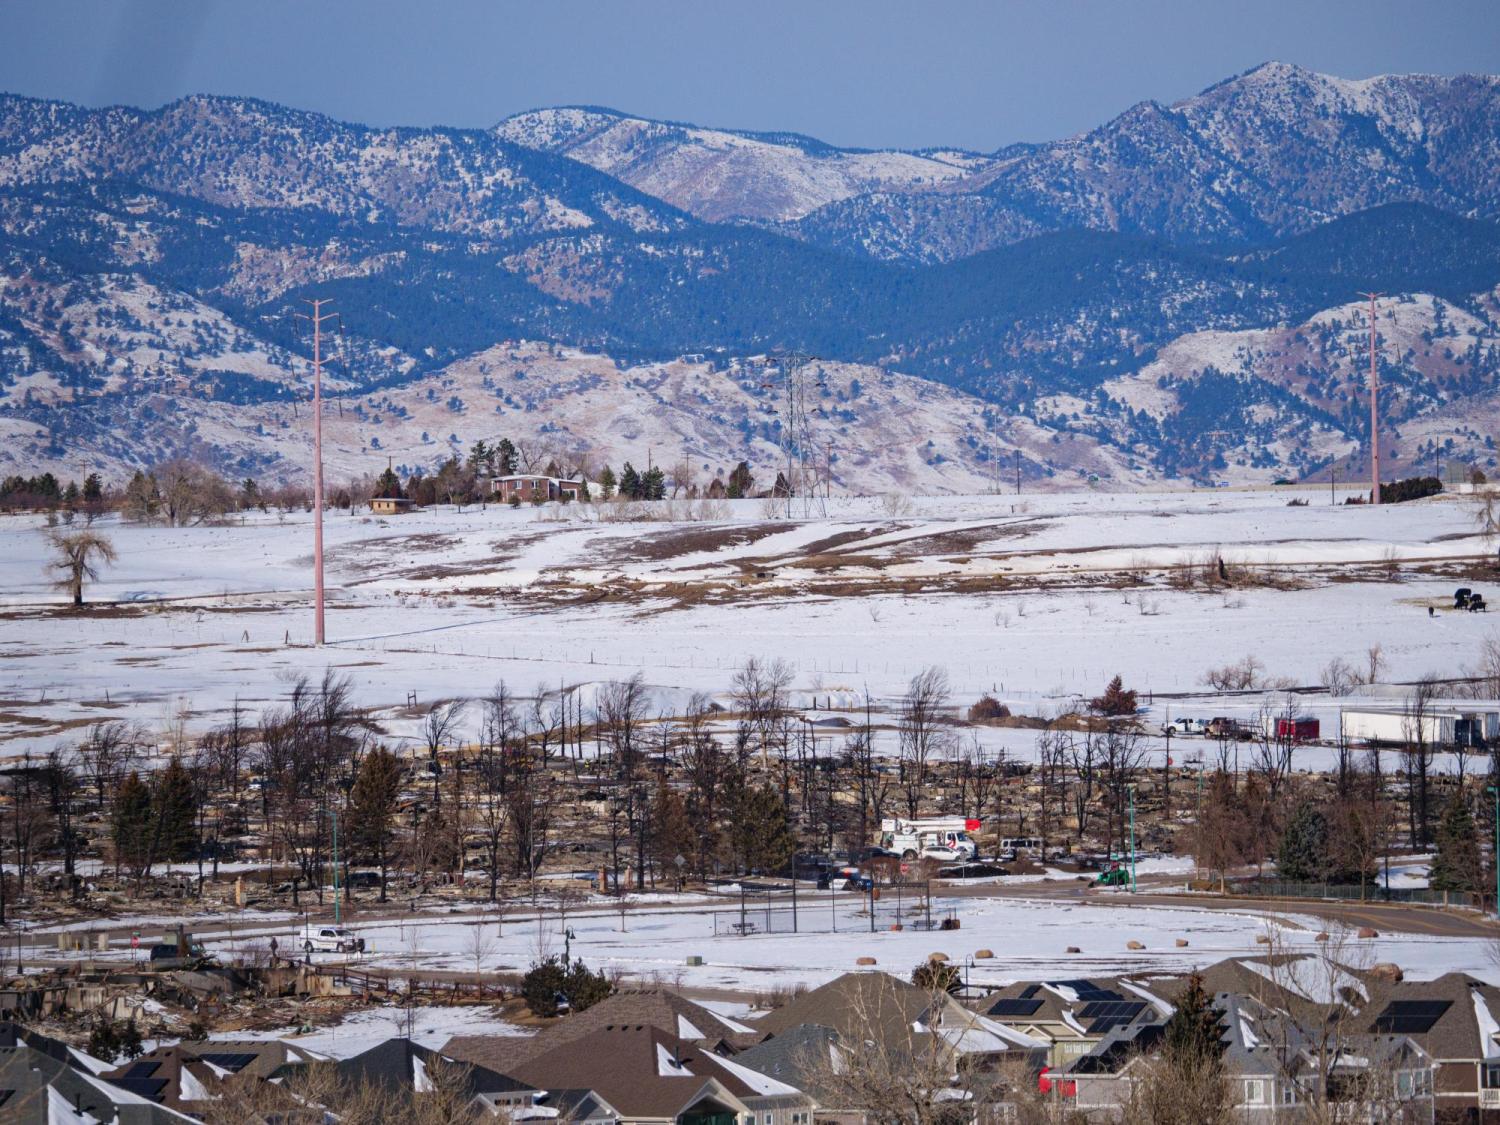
<point x="1385" y="917"/>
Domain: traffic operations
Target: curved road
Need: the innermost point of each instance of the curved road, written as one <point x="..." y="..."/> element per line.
<point x="1386" y="917"/>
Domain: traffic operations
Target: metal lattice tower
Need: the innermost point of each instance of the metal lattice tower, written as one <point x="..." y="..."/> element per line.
<point x="798" y="371"/>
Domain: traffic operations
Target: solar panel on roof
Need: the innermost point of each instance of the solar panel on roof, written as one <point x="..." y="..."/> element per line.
<point x="1106" y="1025"/>
<point x="1088" y="990"/>
<point x="1019" y="1006"/>
<point x="1030" y="990"/>
<point x="142" y="1069"/>
<point x="1104" y="1009"/>
<point x="148" y="1088"/>
<point x="233" y="1062"/>
<point x="1411" y="1017"/>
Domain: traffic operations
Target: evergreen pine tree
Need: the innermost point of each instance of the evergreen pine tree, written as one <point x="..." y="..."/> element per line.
<point x="93" y="489"/>
<point x="133" y="822"/>
<point x="630" y="482"/>
<point x="672" y="832"/>
<point x="762" y="833"/>
<point x="1303" y="855"/>
<point x="372" y="808"/>
<point x="177" y="808"/>
<point x="740" y="482"/>
<point x="606" y="483"/>
<point x="1194" y="1033"/>
<point x="505" y="458"/>
<point x="1116" y="700"/>
<point x="1457" y="866"/>
<point x="654" y="484"/>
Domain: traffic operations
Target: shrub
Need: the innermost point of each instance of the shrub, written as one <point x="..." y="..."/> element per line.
<point x="1413" y="488"/>
<point x="934" y="975"/>
<point x="545" y="980"/>
<point x="988" y="707"/>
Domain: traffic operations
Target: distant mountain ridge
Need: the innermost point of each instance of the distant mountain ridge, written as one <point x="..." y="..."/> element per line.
<point x="159" y="253"/>
<point x="1270" y="152"/>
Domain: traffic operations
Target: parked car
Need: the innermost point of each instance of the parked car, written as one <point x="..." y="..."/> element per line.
<point x="943" y="854"/>
<point x="1184" y="726"/>
<point x="332" y="939"/>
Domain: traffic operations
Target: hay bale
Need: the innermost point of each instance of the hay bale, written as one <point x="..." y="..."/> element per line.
<point x="1366" y="932"/>
<point x="1387" y="971"/>
<point x="1181" y="943"/>
<point x="937" y="957"/>
<point x="984" y="954"/>
<point x="1262" y="939"/>
<point x="864" y="960"/>
<point x="1072" y="949"/>
<point x="1322" y="936"/>
<point x="1133" y="944"/>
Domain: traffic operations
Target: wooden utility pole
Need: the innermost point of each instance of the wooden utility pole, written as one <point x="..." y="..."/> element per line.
<point x="1374" y="408"/>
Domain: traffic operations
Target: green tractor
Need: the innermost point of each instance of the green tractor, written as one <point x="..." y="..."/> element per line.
<point x="1116" y="875"/>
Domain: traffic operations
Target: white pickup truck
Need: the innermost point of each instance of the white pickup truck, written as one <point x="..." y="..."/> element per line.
<point x="331" y="939"/>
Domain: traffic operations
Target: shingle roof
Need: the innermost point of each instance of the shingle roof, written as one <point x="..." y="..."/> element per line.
<point x="395" y="1064"/>
<point x="645" y="1072"/>
<point x="40" y="1082"/>
<point x="1118" y="1048"/>
<point x="795" y="1056"/>
<point x="169" y="1076"/>
<point x="1455" y="1032"/>
<point x="901" y="1016"/>
<point x="656" y="1007"/>
<point x="258" y="1058"/>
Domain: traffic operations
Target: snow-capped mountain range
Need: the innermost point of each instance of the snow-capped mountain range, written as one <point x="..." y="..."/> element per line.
<point x="1166" y="296"/>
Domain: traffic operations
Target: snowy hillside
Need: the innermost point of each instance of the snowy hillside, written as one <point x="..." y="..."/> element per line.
<point x="876" y="432"/>
<point x="720" y="175"/>
<point x="1273" y="151"/>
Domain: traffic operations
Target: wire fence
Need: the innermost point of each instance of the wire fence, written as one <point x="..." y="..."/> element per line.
<point x="909" y="908"/>
<point x="1353" y="892"/>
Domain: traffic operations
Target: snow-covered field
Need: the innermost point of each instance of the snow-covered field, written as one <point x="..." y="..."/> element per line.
<point x="1017" y="596"/>
<point x="1028" y="936"/>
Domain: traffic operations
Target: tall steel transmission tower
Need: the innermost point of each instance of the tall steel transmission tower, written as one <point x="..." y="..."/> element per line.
<point x="799" y="372"/>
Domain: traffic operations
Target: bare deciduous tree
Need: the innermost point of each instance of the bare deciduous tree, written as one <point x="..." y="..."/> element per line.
<point x="921" y="731"/>
<point x="77" y="558"/>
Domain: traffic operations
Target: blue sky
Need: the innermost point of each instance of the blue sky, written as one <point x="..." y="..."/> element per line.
<point x="969" y="73"/>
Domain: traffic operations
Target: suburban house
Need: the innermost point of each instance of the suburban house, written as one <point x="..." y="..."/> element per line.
<point x="899" y="1019"/>
<point x="656" y="1007"/>
<point x="527" y="488"/>
<point x="390" y="505"/>
<point x="1274" y="1068"/>
<point x="402" y="1067"/>
<point x="651" y="1077"/>
<point x="257" y="1058"/>
<point x="42" y="1087"/>
<point x="1072" y="1016"/>
<point x="1456" y="1020"/>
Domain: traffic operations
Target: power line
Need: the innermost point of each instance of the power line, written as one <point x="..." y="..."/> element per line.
<point x="1374" y="407"/>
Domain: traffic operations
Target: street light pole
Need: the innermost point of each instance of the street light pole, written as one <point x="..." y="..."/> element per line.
<point x="1496" y="792"/>
<point x="1131" y="791"/>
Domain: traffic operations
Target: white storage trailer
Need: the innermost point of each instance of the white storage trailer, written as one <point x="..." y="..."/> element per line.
<point x="1436" y="726"/>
